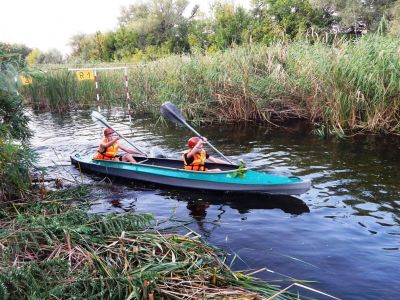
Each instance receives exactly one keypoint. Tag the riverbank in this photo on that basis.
(342, 87)
(52, 248)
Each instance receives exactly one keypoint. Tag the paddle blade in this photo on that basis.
(169, 111)
(99, 119)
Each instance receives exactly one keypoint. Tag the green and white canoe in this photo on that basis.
(170, 172)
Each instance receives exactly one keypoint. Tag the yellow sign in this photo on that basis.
(25, 79)
(85, 75)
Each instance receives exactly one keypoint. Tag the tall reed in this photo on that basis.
(346, 86)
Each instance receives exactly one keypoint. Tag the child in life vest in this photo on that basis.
(108, 149)
(195, 157)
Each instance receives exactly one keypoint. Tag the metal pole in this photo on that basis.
(128, 97)
(97, 90)
(94, 69)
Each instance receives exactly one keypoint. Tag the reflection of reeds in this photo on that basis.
(52, 249)
(345, 85)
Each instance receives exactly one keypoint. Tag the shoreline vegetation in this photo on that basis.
(51, 248)
(342, 87)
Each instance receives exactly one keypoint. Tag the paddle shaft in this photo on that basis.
(199, 135)
(121, 135)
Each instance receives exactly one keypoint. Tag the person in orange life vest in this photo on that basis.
(195, 157)
(109, 146)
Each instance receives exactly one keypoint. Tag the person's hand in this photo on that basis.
(200, 143)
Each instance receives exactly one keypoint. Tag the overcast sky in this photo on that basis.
(47, 24)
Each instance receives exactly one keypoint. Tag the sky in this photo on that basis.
(49, 24)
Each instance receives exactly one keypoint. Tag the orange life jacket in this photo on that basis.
(109, 153)
(199, 160)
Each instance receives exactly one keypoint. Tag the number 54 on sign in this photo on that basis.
(85, 75)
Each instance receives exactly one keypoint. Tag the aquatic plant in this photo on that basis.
(51, 248)
(348, 86)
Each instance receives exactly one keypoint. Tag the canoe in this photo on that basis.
(170, 172)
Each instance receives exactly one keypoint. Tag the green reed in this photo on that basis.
(51, 248)
(344, 86)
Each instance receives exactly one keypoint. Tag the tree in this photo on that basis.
(156, 23)
(15, 157)
(291, 16)
(357, 13)
(108, 46)
(230, 25)
(85, 47)
(52, 56)
(14, 52)
(33, 57)
(157, 26)
(199, 32)
(127, 42)
(133, 13)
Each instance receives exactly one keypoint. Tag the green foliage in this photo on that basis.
(33, 57)
(199, 32)
(15, 157)
(51, 248)
(292, 17)
(59, 90)
(241, 171)
(15, 163)
(230, 25)
(147, 31)
(352, 13)
(85, 48)
(13, 120)
(157, 28)
(52, 56)
(14, 53)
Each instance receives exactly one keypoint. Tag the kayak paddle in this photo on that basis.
(171, 112)
(99, 119)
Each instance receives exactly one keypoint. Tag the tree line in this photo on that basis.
(157, 28)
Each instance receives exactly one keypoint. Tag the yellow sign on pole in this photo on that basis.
(25, 79)
(85, 75)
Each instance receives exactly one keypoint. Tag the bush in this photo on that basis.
(15, 163)
(15, 156)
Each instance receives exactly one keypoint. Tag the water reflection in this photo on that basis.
(199, 203)
(243, 203)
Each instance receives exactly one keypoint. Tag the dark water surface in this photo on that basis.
(343, 234)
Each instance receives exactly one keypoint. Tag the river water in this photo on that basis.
(343, 236)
